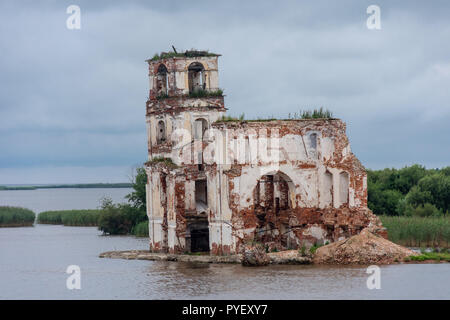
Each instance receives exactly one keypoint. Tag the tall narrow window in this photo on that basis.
(328, 189)
(197, 77)
(343, 187)
(162, 81)
(201, 195)
(161, 132)
(313, 140)
(200, 126)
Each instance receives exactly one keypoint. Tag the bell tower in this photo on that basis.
(184, 96)
(184, 101)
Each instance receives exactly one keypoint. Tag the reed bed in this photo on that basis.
(16, 217)
(418, 231)
(70, 217)
(141, 229)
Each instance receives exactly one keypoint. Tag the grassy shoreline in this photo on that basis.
(82, 218)
(16, 217)
(141, 229)
(430, 232)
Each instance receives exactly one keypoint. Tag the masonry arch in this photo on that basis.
(327, 192)
(200, 126)
(162, 80)
(343, 187)
(274, 199)
(196, 77)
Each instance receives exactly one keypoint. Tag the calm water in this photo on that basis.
(33, 262)
(61, 199)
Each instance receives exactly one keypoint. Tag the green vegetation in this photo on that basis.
(308, 114)
(188, 53)
(317, 114)
(436, 256)
(418, 231)
(70, 217)
(231, 118)
(167, 161)
(201, 93)
(410, 191)
(138, 196)
(119, 218)
(16, 217)
(162, 96)
(206, 93)
(302, 251)
(313, 249)
(64, 186)
(141, 229)
(124, 218)
(17, 188)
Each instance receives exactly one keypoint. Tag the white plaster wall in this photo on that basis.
(213, 80)
(325, 188)
(171, 200)
(326, 148)
(179, 80)
(214, 234)
(171, 234)
(189, 195)
(157, 230)
(343, 187)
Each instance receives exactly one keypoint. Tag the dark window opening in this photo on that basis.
(313, 140)
(201, 193)
(161, 132)
(197, 77)
(199, 236)
(162, 81)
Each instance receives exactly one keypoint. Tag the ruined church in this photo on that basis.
(216, 183)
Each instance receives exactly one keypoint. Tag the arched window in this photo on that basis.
(343, 187)
(197, 77)
(161, 132)
(162, 81)
(200, 126)
(327, 193)
(313, 140)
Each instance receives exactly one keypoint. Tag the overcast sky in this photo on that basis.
(72, 102)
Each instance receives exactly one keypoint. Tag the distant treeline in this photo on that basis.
(62, 186)
(410, 191)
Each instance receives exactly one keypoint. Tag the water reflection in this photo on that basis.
(33, 263)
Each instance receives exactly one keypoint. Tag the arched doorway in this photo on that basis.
(274, 197)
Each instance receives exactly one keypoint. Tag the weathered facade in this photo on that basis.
(215, 184)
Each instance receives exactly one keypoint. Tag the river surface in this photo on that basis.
(34, 260)
(61, 199)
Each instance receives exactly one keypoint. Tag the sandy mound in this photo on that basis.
(364, 248)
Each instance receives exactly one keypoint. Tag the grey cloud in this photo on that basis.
(77, 97)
